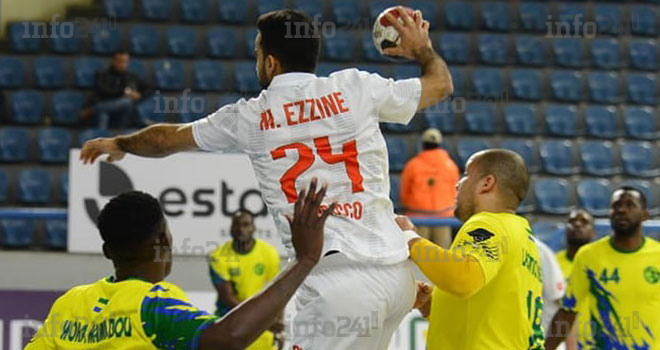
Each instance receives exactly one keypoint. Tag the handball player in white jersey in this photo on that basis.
(303, 126)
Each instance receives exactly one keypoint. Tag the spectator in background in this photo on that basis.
(116, 91)
(241, 268)
(428, 186)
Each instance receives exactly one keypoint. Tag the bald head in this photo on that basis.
(509, 170)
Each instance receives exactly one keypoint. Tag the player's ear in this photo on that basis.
(487, 184)
(106, 251)
(272, 65)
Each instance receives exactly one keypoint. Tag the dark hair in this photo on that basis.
(429, 145)
(130, 219)
(642, 196)
(243, 212)
(296, 48)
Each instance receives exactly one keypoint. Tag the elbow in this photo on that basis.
(464, 286)
(447, 86)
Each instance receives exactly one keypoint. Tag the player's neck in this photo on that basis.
(628, 243)
(143, 271)
(571, 250)
(241, 247)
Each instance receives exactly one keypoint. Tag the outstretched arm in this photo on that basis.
(560, 328)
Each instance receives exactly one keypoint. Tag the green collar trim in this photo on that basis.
(627, 251)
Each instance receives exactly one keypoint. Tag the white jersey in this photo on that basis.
(553, 283)
(303, 126)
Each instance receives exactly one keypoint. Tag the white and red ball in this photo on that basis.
(384, 33)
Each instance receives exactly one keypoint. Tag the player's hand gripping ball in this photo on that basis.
(384, 33)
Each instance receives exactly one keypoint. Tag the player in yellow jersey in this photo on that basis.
(488, 287)
(616, 279)
(136, 309)
(241, 268)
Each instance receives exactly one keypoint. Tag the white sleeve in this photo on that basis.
(396, 100)
(553, 279)
(219, 131)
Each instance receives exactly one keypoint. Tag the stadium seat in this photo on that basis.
(64, 186)
(208, 75)
(568, 14)
(598, 158)
(346, 12)
(429, 10)
(561, 120)
(249, 35)
(369, 51)
(642, 88)
(4, 186)
(63, 38)
(405, 71)
(640, 159)
(34, 186)
(527, 206)
(594, 196)
(566, 85)
(458, 78)
(311, 8)
(138, 68)
(553, 196)
(378, 6)
(105, 41)
(53, 145)
(153, 109)
(568, 52)
(84, 71)
(325, 69)
(467, 147)
(120, 9)
(27, 106)
(245, 77)
(221, 42)
(264, 6)
(644, 20)
(533, 16)
(340, 47)
(643, 54)
(233, 11)
(25, 37)
(557, 157)
(520, 119)
(169, 74)
(195, 11)
(601, 121)
(90, 134)
(493, 48)
(526, 84)
(530, 50)
(641, 123)
(48, 72)
(645, 187)
(56, 234)
(17, 233)
(609, 19)
(496, 16)
(156, 10)
(397, 150)
(605, 53)
(14, 144)
(181, 41)
(455, 47)
(488, 82)
(551, 233)
(395, 191)
(442, 117)
(193, 107)
(12, 72)
(526, 149)
(458, 15)
(144, 40)
(603, 87)
(480, 117)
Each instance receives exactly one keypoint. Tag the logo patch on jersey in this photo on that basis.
(652, 274)
(259, 269)
(481, 245)
(481, 235)
(234, 271)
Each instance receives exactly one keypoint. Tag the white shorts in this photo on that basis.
(345, 304)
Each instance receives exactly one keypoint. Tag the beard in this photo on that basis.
(463, 210)
(262, 76)
(626, 230)
(577, 242)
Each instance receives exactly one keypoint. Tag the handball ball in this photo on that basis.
(384, 34)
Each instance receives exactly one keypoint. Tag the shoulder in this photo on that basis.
(266, 247)
(597, 247)
(165, 290)
(489, 221)
(652, 243)
(354, 75)
(220, 249)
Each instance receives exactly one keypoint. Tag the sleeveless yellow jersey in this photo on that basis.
(620, 292)
(506, 313)
(565, 264)
(129, 315)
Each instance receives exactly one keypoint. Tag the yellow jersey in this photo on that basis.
(130, 315)
(620, 293)
(506, 313)
(565, 264)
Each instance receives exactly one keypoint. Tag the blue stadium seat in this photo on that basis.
(4, 186)
(346, 12)
(643, 54)
(480, 117)
(12, 72)
(488, 82)
(458, 15)
(598, 158)
(90, 134)
(232, 11)
(120, 9)
(169, 74)
(340, 47)
(530, 50)
(493, 48)
(34, 186)
(527, 206)
(642, 88)
(53, 145)
(639, 159)
(568, 52)
(594, 196)
(64, 186)
(429, 10)
(458, 78)
(605, 53)
(455, 47)
(442, 117)
(208, 75)
(105, 41)
(156, 10)
(369, 51)
(25, 37)
(609, 19)
(245, 77)
(325, 69)
(249, 36)
(153, 109)
(467, 147)
(526, 149)
(566, 85)
(397, 150)
(311, 8)
(84, 70)
(56, 234)
(63, 38)
(557, 157)
(181, 41)
(405, 71)
(568, 14)
(601, 121)
(561, 120)
(395, 191)
(520, 119)
(264, 6)
(603, 87)
(553, 196)
(195, 11)
(647, 188)
(641, 123)
(221, 42)
(144, 40)
(27, 106)
(48, 72)
(193, 107)
(533, 16)
(17, 233)
(138, 68)
(644, 20)
(551, 233)
(378, 6)
(399, 128)
(496, 16)
(14, 144)
(526, 84)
